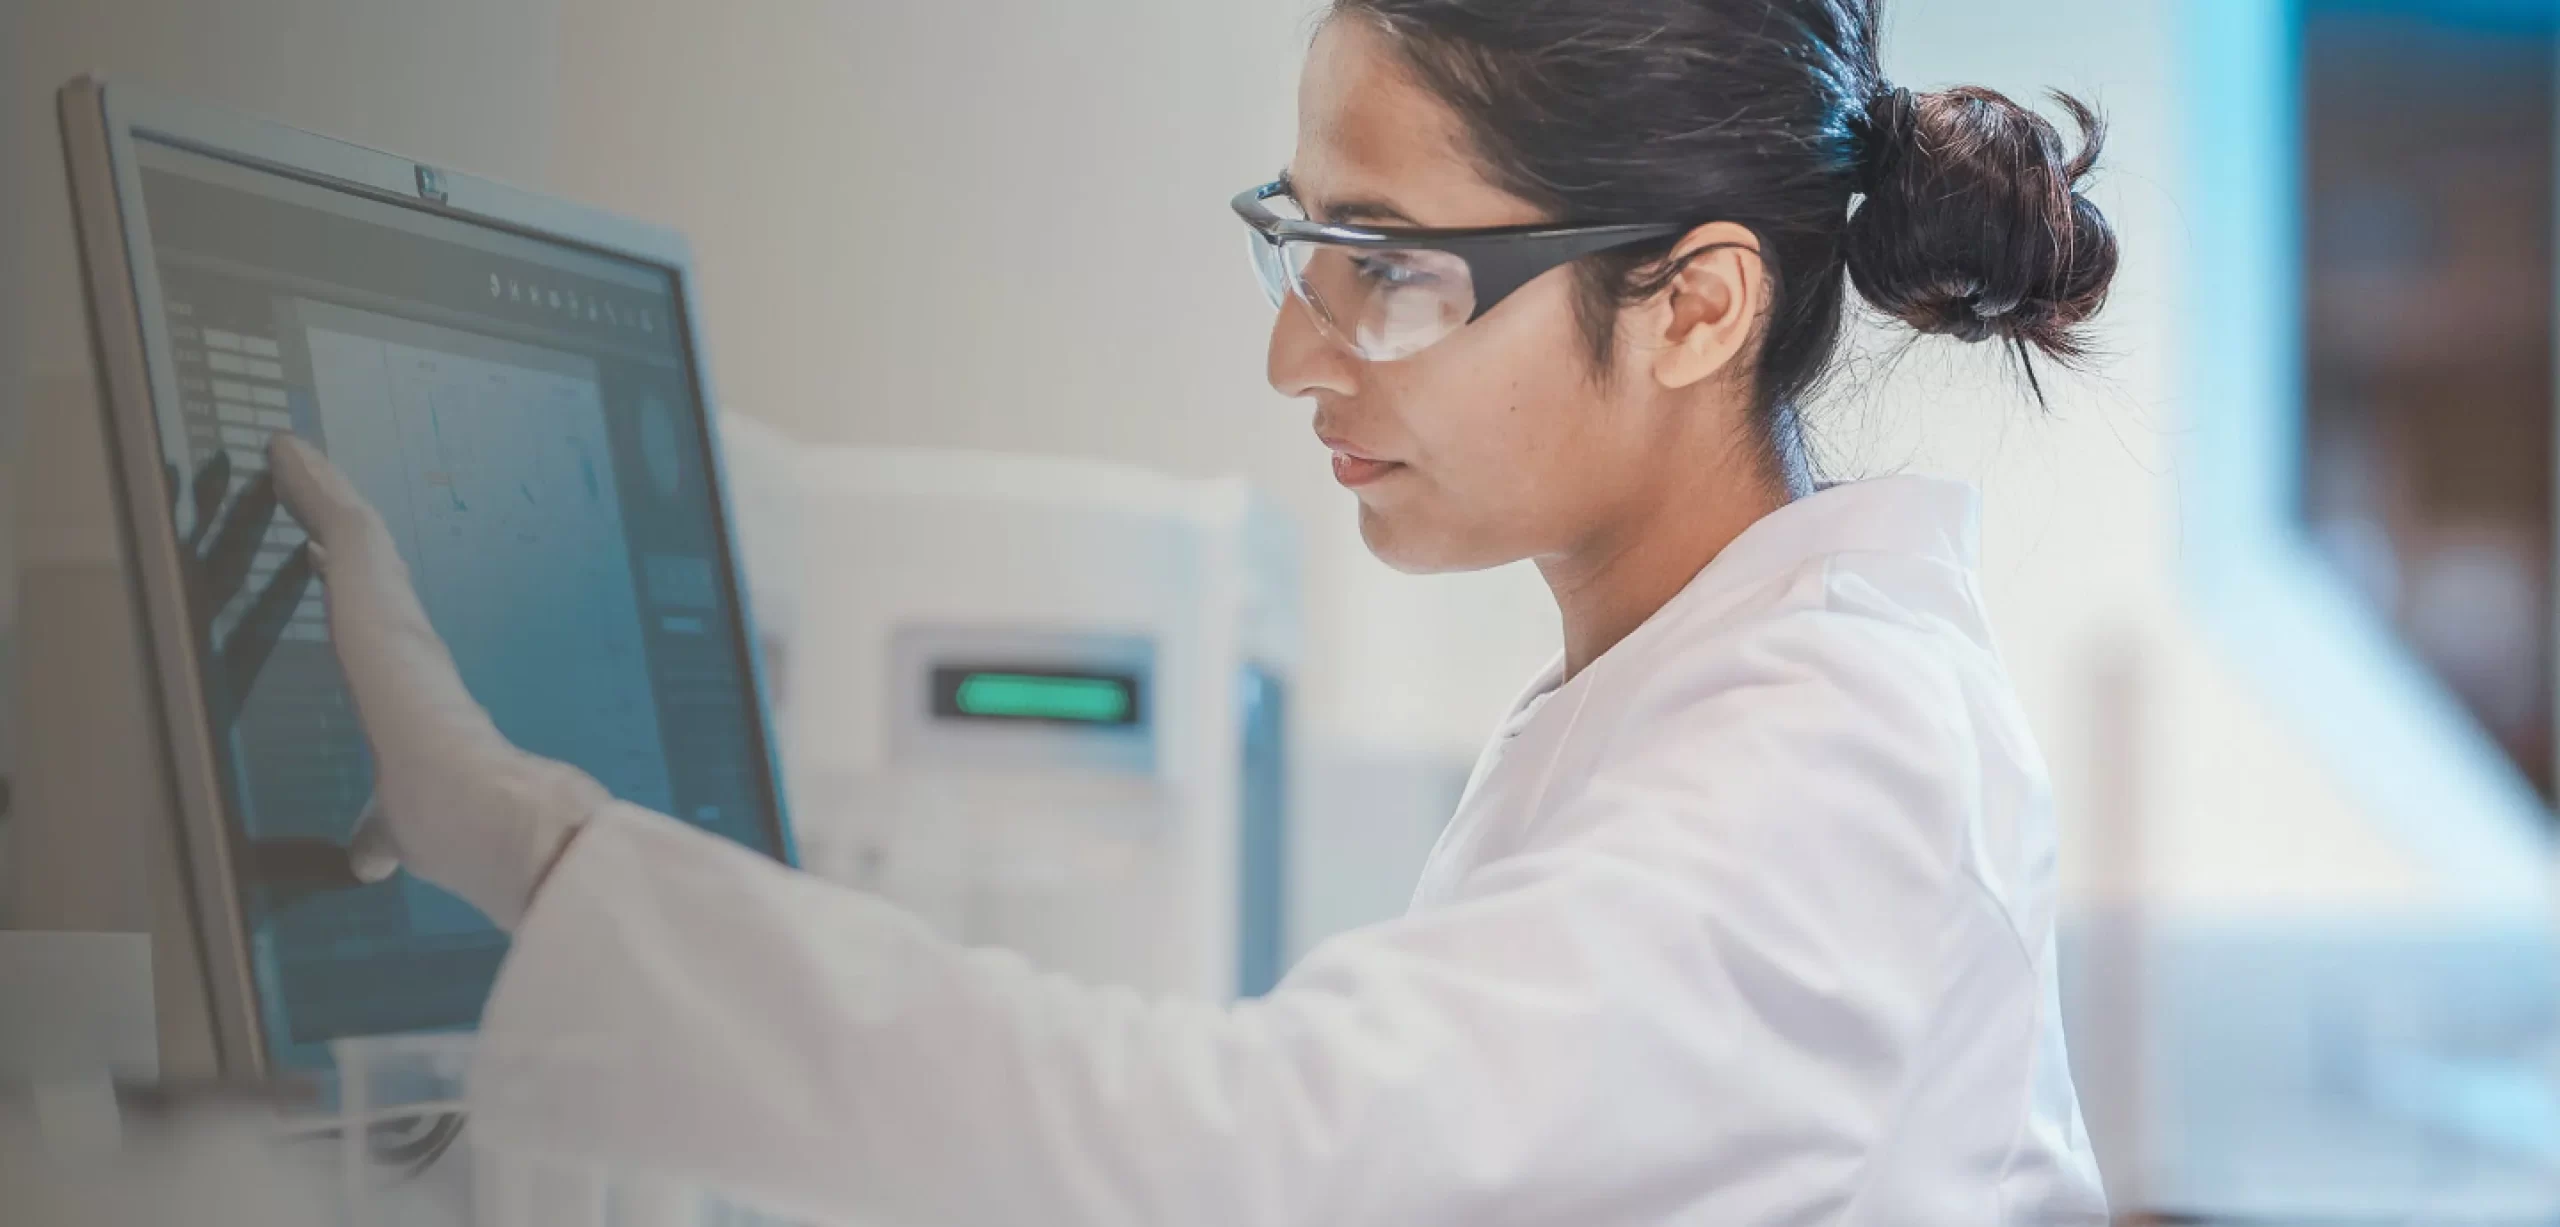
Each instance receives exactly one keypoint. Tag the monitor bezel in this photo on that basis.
(100, 124)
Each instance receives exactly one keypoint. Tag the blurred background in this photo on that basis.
(2274, 580)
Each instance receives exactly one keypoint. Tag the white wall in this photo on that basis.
(1002, 224)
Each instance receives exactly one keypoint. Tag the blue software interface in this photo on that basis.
(524, 415)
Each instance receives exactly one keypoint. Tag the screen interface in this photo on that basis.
(524, 415)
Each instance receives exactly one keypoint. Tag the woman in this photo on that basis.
(1746, 916)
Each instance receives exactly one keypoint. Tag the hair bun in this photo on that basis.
(1973, 226)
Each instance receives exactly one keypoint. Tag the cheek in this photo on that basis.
(1513, 406)
(1505, 453)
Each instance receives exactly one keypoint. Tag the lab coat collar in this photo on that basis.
(1533, 696)
(1926, 517)
(1932, 518)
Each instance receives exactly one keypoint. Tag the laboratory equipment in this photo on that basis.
(1044, 702)
(513, 381)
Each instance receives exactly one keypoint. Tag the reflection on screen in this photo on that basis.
(523, 416)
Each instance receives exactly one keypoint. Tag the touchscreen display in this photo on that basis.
(524, 415)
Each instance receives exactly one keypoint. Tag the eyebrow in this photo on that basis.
(1349, 211)
(1368, 211)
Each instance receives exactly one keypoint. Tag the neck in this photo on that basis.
(1610, 584)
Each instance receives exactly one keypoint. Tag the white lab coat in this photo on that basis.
(1751, 922)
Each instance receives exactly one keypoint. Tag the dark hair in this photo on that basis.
(1774, 114)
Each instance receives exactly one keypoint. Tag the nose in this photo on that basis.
(1303, 361)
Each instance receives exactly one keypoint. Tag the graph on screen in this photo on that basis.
(492, 463)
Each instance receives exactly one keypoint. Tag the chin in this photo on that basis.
(1405, 548)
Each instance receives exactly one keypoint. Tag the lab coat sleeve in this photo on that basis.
(1689, 999)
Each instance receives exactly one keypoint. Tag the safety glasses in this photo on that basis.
(1390, 293)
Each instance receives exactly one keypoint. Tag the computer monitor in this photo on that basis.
(514, 383)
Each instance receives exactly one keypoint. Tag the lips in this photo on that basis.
(1354, 468)
(1357, 471)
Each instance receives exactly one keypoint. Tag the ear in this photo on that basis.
(1705, 318)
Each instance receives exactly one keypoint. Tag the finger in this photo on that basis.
(235, 545)
(254, 638)
(399, 671)
(371, 854)
(317, 492)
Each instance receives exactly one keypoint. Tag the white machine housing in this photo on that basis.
(1150, 852)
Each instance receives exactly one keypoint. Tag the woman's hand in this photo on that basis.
(453, 800)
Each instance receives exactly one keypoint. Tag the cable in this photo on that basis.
(413, 1154)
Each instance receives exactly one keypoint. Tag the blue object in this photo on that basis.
(1262, 836)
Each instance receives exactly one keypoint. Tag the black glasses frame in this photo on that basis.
(1500, 259)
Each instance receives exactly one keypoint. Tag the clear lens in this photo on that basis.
(1382, 303)
(1269, 266)
(1270, 270)
(1385, 303)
